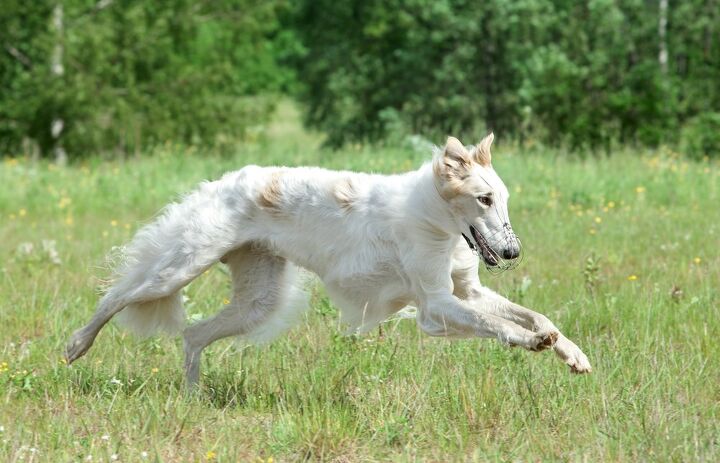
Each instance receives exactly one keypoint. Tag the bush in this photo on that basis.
(700, 137)
(135, 73)
(583, 74)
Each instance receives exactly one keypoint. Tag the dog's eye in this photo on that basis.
(485, 200)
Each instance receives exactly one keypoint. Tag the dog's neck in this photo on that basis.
(427, 207)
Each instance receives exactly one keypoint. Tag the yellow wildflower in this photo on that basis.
(210, 455)
(611, 204)
(598, 219)
(113, 223)
(154, 370)
(632, 277)
(592, 231)
(697, 260)
(22, 212)
(639, 189)
(226, 301)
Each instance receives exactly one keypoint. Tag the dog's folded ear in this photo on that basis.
(456, 158)
(482, 150)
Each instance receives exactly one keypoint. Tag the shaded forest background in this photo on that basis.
(82, 77)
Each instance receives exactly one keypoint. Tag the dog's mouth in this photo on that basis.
(482, 247)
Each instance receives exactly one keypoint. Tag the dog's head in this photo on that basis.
(478, 200)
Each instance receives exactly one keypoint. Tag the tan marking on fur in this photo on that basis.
(456, 156)
(345, 194)
(482, 151)
(451, 168)
(271, 196)
(449, 184)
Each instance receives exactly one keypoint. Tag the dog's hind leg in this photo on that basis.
(82, 339)
(112, 303)
(156, 286)
(260, 288)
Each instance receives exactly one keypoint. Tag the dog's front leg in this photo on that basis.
(448, 316)
(489, 301)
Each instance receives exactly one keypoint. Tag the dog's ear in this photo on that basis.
(482, 150)
(456, 159)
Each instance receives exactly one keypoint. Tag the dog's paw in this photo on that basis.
(78, 345)
(572, 356)
(542, 341)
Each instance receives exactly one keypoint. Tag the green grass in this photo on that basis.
(606, 241)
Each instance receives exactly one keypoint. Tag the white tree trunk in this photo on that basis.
(57, 70)
(662, 36)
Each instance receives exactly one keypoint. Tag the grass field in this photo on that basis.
(621, 253)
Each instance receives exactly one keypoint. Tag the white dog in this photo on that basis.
(377, 242)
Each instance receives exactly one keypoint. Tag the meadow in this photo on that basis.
(621, 252)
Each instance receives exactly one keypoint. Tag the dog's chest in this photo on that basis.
(382, 284)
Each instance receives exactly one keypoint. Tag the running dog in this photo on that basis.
(378, 243)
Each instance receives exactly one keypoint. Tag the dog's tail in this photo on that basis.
(145, 319)
(166, 253)
(135, 264)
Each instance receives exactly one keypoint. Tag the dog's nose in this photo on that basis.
(511, 253)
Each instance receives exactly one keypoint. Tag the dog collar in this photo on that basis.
(469, 242)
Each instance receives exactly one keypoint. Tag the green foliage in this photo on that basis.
(136, 73)
(585, 74)
(701, 136)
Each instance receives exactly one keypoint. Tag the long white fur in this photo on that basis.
(378, 243)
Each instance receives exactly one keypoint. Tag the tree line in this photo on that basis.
(118, 76)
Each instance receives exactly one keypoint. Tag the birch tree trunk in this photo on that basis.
(662, 36)
(57, 70)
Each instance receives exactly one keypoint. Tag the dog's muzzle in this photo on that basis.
(492, 259)
(480, 245)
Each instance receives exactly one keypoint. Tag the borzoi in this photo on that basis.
(378, 243)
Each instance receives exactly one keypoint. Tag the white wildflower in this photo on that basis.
(26, 248)
(51, 252)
